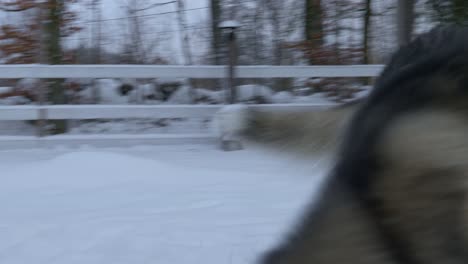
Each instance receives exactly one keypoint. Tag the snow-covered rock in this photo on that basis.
(148, 89)
(229, 24)
(251, 91)
(180, 96)
(15, 100)
(28, 84)
(109, 92)
(283, 97)
(208, 96)
(363, 93)
(317, 98)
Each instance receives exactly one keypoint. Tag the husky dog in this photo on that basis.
(398, 190)
(294, 130)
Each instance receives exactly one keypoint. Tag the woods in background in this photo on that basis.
(271, 32)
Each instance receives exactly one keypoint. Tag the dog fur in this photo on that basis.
(397, 193)
(307, 132)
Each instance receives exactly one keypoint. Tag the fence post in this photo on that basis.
(42, 112)
(230, 27)
(96, 93)
(230, 142)
(232, 65)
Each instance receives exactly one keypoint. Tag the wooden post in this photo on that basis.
(96, 93)
(43, 85)
(230, 142)
(230, 27)
(232, 96)
(42, 113)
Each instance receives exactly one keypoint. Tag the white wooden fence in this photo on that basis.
(172, 71)
(82, 112)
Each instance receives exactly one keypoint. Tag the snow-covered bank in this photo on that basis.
(184, 204)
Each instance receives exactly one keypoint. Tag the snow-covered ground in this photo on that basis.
(177, 204)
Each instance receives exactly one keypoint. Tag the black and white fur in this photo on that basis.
(398, 191)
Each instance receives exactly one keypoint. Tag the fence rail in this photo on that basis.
(83, 112)
(175, 71)
(78, 112)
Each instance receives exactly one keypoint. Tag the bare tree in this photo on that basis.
(216, 32)
(384, 37)
(313, 29)
(95, 6)
(184, 32)
(274, 7)
(258, 28)
(54, 50)
(185, 42)
(448, 11)
(140, 44)
(135, 32)
(366, 35)
(405, 18)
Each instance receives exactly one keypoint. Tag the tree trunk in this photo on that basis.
(337, 29)
(365, 39)
(96, 27)
(96, 42)
(232, 64)
(53, 31)
(42, 58)
(216, 31)
(276, 31)
(185, 41)
(54, 55)
(405, 17)
(313, 25)
(257, 29)
(139, 49)
(275, 6)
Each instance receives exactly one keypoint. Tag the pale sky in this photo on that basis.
(163, 26)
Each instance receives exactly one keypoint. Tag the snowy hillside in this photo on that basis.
(190, 204)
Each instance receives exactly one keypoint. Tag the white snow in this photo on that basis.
(147, 89)
(14, 100)
(317, 98)
(250, 91)
(283, 97)
(108, 92)
(229, 24)
(6, 89)
(365, 92)
(185, 204)
(217, 97)
(29, 84)
(180, 96)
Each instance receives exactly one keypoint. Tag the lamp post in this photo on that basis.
(230, 27)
